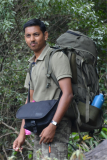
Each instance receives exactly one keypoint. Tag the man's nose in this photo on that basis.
(32, 38)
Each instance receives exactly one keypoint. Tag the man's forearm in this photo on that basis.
(22, 130)
(62, 106)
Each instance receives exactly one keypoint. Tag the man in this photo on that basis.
(36, 37)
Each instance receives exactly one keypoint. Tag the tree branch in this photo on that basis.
(102, 76)
(5, 152)
(16, 133)
(1, 157)
(6, 134)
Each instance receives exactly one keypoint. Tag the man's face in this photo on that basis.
(35, 38)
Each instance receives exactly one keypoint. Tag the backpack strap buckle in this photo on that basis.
(48, 75)
(48, 85)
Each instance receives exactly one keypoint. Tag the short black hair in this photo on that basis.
(35, 22)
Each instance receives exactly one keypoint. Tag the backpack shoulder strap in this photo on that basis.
(50, 74)
(29, 70)
(31, 64)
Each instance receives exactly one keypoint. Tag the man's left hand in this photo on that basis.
(47, 134)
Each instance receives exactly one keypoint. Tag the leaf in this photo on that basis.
(63, 1)
(29, 156)
(103, 135)
(14, 153)
(104, 129)
(86, 137)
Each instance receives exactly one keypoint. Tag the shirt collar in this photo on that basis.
(42, 55)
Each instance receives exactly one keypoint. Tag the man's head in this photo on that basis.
(35, 22)
(35, 35)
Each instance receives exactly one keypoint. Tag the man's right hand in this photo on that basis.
(17, 144)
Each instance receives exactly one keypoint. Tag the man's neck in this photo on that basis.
(37, 54)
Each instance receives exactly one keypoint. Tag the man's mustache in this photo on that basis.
(33, 43)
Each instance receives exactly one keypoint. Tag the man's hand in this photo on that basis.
(17, 144)
(47, 134)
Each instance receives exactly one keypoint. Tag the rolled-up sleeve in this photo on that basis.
(61, 66)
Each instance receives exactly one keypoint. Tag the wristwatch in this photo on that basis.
(54, 123)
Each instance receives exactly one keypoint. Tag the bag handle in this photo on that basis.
(30, 69)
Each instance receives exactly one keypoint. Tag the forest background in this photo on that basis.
(89, 17)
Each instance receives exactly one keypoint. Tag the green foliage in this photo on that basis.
(7, 15)
(30, 154)
(77, 154)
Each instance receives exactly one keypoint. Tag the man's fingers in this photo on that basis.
(45, 140)
(42, 138)
(48, 141)
(51, 140)
(17, 147)
(41, 134)
(14, 147)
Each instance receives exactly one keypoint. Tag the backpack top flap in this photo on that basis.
(78, 41)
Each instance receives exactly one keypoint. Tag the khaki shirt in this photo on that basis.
(61, 69)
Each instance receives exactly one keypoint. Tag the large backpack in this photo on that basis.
(82, 54)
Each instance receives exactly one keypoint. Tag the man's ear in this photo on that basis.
(24, 35)
(46, 35)
(25, 39)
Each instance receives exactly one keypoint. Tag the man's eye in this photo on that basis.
(28, 35)
(36, 34)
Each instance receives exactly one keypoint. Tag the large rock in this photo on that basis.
(98, 153)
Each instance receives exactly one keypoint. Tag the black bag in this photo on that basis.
(37, 115)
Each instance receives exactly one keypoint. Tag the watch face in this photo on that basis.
(53, 122)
